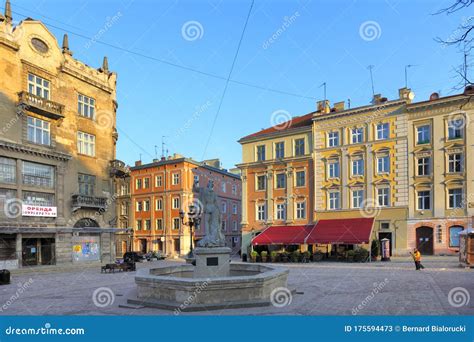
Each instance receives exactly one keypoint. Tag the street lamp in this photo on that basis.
(194, 219)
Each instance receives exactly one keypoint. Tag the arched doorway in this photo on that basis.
(86, 223)
(424, 240)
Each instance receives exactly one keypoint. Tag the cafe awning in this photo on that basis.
(283, 235)
(341, 231)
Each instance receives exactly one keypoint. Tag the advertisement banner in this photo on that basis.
(37, 210)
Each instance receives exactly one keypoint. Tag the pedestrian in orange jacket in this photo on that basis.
(417, 258)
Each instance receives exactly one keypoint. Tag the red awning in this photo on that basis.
(283, 235)
(341, 231)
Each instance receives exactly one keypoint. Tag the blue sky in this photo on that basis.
(313, 42)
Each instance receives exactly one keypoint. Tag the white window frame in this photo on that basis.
(175, 179)
(383, 131)
(421, 195)
(279, 153)
(261, 211)
(383, 193)
(334, 200)
(40, 131)
(280, 211)
(382, 162)
(333, 169)
(425, 166)
(39, 86)
(158, 204)
(357, 135)
(333, 139)
(158, 181)
(456, 162)
(86, 144)
(453, 128)
(86, 106)
(234, 209)
(300, 209)
(357, 198)
(146, 205)
(420, 130)
(357, 167)
(460, 196)
(176, 203)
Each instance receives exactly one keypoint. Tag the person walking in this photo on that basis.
(417, 258)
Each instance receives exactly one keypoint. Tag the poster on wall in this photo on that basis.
(86, 248)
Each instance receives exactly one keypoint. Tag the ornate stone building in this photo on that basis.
(57, 141)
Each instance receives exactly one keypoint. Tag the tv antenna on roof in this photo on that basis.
(163, 146)
(324, 85)
(370, 67)
(406, 73)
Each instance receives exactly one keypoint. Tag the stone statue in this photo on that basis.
(214, 236)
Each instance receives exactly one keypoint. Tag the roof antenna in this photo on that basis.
(163, 146)
(406, 73)
(324, 85)
(156, 152)
(349, 103)
(370, 67)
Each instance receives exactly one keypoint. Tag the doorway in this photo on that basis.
(143, 245)
(37, 251)
(424, 240)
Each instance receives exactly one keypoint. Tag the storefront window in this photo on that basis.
(7, 170)
(38, 175)
(38, 198)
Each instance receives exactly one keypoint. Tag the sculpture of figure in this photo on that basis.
(214, 236)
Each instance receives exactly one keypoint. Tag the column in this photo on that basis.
(290, 201)
(369, 171)
(269, 195)
(344, 177)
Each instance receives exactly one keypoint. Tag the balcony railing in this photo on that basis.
(83, 201)
(41, 105)
(118, 169)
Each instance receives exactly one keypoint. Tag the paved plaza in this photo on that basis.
(326, 288)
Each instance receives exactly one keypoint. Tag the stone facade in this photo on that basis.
(57, 141)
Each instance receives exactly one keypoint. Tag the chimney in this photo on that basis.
(66, 45)
(8, 12)
(376, 98)
(469, 90)
(323, 107)
(434, 97)
(339, 106)
(105, 66)
(406, 94)
(138, 163)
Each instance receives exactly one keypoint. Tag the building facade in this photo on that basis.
(56, 143)
(277, 178)
(404, 164)
(158, 192)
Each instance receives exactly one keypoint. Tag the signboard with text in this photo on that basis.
(36, 210)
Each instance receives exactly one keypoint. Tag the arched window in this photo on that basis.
(454, 235)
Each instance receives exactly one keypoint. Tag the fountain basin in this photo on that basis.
(175, 288)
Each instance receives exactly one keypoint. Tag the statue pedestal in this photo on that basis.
(212, 262)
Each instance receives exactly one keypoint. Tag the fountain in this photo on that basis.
(211, 281)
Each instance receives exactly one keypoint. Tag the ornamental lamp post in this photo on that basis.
(194, 219)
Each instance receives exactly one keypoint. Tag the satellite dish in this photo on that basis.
(411, 95)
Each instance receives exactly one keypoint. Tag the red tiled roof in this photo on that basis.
(297, 121)
(342, 231)
(283, 235)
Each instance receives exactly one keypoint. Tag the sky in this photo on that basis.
(173, 60)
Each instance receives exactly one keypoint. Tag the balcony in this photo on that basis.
(88, 202)
(41, 105)
(119, 169)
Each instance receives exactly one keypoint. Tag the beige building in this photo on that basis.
(57, 141)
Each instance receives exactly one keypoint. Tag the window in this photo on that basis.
(280, 211)
(38, 198)
(383, 197)
(196, 181)
(86, 144)
(299, 147)
(234, 189)
(300, 210)
(357, 135)
(158, 204)
(261, 212)
(147, 224)
(333, 169)
(224, 207)
(224, 225)
(234, 209)
(176, 203)
(139, 224)
(424, 166)
(124, 209)
(357, 198)
(124, 189)
(455, 128)
(300, 178)
(261, 183)
(383, 164)
(38, 86)
(138, 206)
(175, 179)
(86, 106)
(86, 184)
(261, 153)
(146, 183)
(158, 181)
(138, 183)
(424, 200)
(383, 131)
(423, 134)
(280, 180)
(384, 225)
(38, 175)
(455, 163)
(176, 223)
(334, 202)
(358, 167)
(7, 170)
(159, 224)
(455, 198)
(38, 131)
(454, 235)
(234, 226)
(223, 187)
(333, 139)
(280, 150)
(146, 205)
